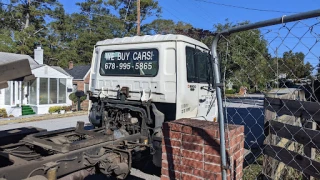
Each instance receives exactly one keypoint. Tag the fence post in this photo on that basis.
(218, 86)
(308, 151)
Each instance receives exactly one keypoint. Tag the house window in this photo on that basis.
(75, 87)
(13, 92)
(7, 94)
(53, 91)
(19, 91)
(43, 91)
(62, 90)
(33, 92)
(86, 88)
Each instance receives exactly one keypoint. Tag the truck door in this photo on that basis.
(187, 82)
(207, 108)
(191, 107)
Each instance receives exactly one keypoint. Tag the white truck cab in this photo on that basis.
(137, 83)
(173, 71)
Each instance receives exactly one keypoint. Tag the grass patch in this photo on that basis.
(253, 170)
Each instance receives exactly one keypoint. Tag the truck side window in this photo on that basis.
(192, 75)
(203, 67)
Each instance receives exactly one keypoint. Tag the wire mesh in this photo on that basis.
(271, 81)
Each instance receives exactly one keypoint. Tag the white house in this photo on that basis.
(51, 87)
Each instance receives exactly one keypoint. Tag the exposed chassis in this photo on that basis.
(111, 157)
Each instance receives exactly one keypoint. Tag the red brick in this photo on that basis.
(171, 143)
(240, 130)
(235, 140)
(211, 141)
(192, 163)
(211, 131)
(192, 139)
(172, 126)
(239, 138)
(171, 174)
(163, 177)
(212, 167)
(212, 150)
(192, 147)
(230, 173)
(239, 169)
(165, 164)
(171, 150)
(241, 145)
(235, 148)
(183, 168)
(237, 155)
(239, 161)
(231, 142)
(172, 159)
(189, 177)
(192, 155)
(204, 174)
(239, 176)
(218, 176)
(186, 129)
(212, 159)
(234, 131)
(172, 135)
(230, 134)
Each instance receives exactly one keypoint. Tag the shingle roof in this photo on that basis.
(58, 68)
(79, 71)
(4, 56)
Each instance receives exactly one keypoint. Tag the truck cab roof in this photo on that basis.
(151, 39)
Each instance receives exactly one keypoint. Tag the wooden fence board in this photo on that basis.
(294, 160)
(296, 108)
(306, 136)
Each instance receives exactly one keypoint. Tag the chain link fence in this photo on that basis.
(271, 85)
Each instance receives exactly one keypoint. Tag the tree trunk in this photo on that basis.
(28, 15)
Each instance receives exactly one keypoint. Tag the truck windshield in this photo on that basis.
(138, 62)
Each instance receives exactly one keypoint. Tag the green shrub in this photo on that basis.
(74, 98)
(54, 109)
(3, 113)
(230, 91)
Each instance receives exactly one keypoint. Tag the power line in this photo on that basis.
(172, 14)
(207, 19)
(246, 8)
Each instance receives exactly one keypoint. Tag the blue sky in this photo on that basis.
(202, 14)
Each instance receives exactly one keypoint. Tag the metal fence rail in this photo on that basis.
(271, 84)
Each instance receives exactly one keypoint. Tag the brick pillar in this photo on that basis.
(191, 150)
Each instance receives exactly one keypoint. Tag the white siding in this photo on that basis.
(49, 72)
(1, 98)
(41, 72)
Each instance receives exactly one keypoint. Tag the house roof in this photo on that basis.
(60, 70)
(7, 57)
(79, 71)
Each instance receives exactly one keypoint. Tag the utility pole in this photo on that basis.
(138, 17)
